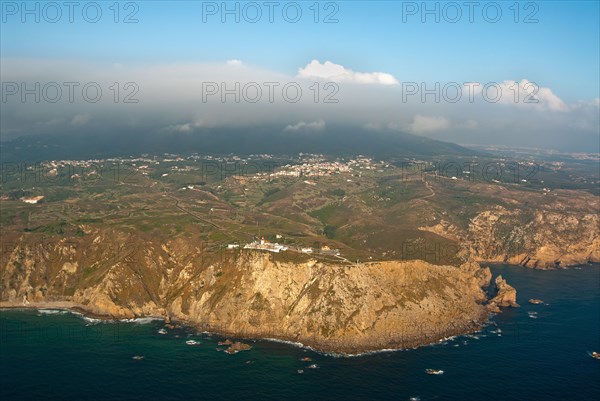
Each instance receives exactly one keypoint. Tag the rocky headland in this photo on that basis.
(330, 307)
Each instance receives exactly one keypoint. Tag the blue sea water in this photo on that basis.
(535, 356)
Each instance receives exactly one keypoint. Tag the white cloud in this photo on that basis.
(338, 73)
(171, 100)
(525, 94)
(234, 62)
(469, 124)
(423, 124)
(591, 104)
(80, 119)
(318, 125)
(185, 127)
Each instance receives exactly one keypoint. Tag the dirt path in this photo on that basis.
(432, 194)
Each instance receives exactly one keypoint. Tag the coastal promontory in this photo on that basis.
(330, 306)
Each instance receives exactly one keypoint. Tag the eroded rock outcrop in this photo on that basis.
(506, 295)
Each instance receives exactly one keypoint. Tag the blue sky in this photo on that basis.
(372, 50)
(560, 51)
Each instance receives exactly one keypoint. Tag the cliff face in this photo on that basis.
(373, 306)
(329, 306)
(535, 229)
(549, 239)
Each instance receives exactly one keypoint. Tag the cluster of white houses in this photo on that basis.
(265, 245)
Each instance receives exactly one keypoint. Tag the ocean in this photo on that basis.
(535, 352)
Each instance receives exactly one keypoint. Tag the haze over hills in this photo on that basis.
(338, 141)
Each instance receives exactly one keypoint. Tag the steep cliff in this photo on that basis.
(332, 307)
(549, 238)
(558, 234)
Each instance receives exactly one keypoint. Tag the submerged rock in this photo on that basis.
(237, 347)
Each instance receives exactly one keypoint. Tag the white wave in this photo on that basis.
(52, 311)
(295, 344)
(442, 341)
(472, 336)
(360, 354)
(141, 320)
(93, 321)
(332, 354)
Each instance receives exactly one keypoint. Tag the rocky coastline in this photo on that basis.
(345, 309)
(330, 346)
